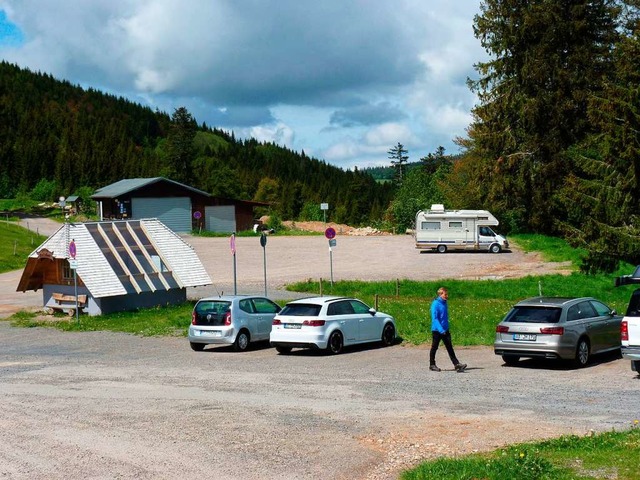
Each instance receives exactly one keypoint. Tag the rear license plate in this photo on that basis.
(292, 325)
(525, 337)
(210, 333)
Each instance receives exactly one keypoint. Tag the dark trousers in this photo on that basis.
(446, 339)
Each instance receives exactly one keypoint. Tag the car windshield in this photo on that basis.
(533, 314)
(301, 310)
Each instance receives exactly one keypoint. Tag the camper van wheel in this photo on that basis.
(495, 248)
(442, 248)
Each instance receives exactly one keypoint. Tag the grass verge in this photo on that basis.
(606, 455)
(16, 243)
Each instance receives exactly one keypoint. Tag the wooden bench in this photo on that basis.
(67, 303)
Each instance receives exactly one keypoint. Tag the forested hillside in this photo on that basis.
(67, 137)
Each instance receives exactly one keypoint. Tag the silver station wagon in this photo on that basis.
(557, 328)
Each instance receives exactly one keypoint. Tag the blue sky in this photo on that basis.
(343, 80)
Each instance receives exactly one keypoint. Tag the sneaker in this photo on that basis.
(433, 368)
(460, 367)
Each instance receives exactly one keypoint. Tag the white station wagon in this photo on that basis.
(330, 323)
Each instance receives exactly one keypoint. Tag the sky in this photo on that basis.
(342, 80)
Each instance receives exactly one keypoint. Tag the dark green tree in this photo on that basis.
(547, 59)
(398, 156)
(180, 148)
(602, 196)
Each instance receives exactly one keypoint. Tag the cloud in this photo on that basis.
(365, 72)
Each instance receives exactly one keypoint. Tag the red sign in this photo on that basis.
(330, 233)
(72, 249)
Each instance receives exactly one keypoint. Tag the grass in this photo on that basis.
(16, 243)
(160, 321)
(606, 455)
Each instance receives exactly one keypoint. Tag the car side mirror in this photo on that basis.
(372, 311)
(613, 312)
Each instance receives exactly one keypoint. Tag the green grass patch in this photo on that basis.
(606, 455)
(160, 321)
(16, 243)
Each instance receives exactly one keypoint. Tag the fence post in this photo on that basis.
(320, 286)
(376, 302)
(397, 288)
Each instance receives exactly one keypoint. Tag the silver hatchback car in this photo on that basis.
(231, 320)
(560, 328)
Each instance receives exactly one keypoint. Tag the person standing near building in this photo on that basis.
(440, 332)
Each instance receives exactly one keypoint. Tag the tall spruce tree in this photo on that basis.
(547, 59)
(603, 197)
(181, 151)
(398, 156)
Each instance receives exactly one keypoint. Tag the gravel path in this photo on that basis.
(105, 405)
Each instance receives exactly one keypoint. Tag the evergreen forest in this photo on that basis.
(553, 146)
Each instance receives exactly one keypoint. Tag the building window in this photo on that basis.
(455, 224)
(67, 273)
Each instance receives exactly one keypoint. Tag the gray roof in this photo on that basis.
(128, 185)
(128, 256)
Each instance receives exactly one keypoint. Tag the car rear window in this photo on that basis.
(217, 307)
(634, 305)
(301, 310)
(534, 314)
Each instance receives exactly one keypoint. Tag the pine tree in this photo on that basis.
(548, 58)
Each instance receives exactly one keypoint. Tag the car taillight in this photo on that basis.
(193, 318)
(552, 330)
(313, 323)
(276, 322)
(502, 329)
(624, 331)
(227, 318)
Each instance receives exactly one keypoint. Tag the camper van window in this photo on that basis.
(486, 231)
(455, 224)
(483, 218)
(430, 225)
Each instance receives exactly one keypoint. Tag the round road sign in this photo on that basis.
(330, 233)
(72, 249)
(197, 215)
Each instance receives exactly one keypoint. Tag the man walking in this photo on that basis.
(440, 331)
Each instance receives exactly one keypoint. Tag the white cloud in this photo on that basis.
(340, 79)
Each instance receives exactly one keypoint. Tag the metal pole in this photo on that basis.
(75, 285)
(331, 264)
(264, 256)
(235, 284)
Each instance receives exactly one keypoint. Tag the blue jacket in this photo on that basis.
(439, 315)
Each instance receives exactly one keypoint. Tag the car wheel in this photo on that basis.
(198, 347)
(242, 341)
(442, 248)
(283, 350)
(388, 335)
(335, 343)
(582, 353)
(495, 248)
(510, 359)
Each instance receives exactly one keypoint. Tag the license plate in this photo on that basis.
(210, 333)
(525, 337)
(292, 325)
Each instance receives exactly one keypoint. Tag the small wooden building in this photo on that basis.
(180, 207)
(119, 265)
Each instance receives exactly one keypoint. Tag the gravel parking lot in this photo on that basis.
(106, 405)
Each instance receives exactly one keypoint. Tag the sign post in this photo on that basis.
(330, 233)
(73, 265)
(324, 207)
(263, 243)
(232, 244)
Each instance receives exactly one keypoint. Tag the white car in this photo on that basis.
(330, 323)
(231, 320)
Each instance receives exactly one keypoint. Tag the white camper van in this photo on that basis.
(442, 230)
